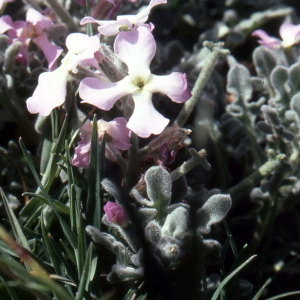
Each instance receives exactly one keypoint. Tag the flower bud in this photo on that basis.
(116, 214)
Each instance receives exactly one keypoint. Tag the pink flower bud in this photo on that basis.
(116, 214)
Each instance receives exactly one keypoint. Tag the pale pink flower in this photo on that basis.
(116, 214)
(117, 139)
(51, 89)
(123, 22)
(31, 30)
(136, 49)
(289, 33)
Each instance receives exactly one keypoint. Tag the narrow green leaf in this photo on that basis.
(31, 166)
(73, 210)
(11, 291)
(34, 217)
(70, 235)
(60, 207)
(50, 250)
(93, 201)
(284, 295)
(231, 241)
(84, 280)
(52, 170)
(69, 252)
(4, 248)
(66, 228)
(18, 233)
(93, 267)
(9, 266)
(99, 194)
(225, 280)
(261, 290)
(39, 283)
(81, 250)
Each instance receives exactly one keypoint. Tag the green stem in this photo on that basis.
(63, 15)
(133, 162)
(198, 158)
(266, 169)
(34, 4)
(204, 75)
(269, 233)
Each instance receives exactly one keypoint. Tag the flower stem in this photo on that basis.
(63, 15)
(216, 52)
(198, 158)
(266, 169)
(133, 162)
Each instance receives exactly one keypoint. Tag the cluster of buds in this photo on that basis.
(167, 228)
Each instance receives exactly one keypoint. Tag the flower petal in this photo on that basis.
(82, 151)
(290, 34)
(173, 85)
(104, 94)
(118, 131)
(266, 40)
(145, 119)
(6, 23)
(108, 27)
(142, 16)
(81, 48)
(39, 21)
(50, 51)
(136, 48)
(50, 92)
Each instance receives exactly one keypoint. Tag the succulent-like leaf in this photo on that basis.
(159, 184)
(294, 77)
(153, 232)
(239, 84)
(295, 103)
(109, 241)
(121, 273)
(213, 211)
(264, 60)
(176, 224)
(146, 214)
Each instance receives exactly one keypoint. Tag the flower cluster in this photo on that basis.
(33, 29)
(134, 46)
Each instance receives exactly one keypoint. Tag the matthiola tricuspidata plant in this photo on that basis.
(159, 164)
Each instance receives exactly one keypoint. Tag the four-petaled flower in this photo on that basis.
(116, 214)
(136, 49)
(123, 22)
(33, 29)
(289, 33)
(51, 90)
(117, 138)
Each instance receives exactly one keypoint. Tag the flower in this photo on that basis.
(117, 139)
(136, 49)
(289, 33)
(33, 29)
(51, 90)
(123, 22)
(116, 214)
